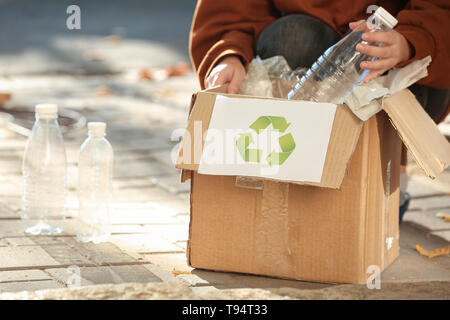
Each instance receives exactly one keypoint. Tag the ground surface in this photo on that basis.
(96, 71)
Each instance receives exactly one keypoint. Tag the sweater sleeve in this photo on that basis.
(226, 27)
(425, 24)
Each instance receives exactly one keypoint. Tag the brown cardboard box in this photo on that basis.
(330, 231)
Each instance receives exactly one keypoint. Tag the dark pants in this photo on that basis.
(301, 39)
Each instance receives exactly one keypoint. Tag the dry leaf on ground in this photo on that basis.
(178, 272)
(145, 74)
(178, 69)
(103, 91)
(434, 253)
(443, 216)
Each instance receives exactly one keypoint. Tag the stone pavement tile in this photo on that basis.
(169, 261)
(20, 241)
(101, 254)
(5, 213)
(65, 255)
(106, 275)
(410, 237)
(25, 257)
(411, 266)
(3, 243)
(172, 184)
(10, 166)
(16, 228)
(427, 220)
(29, 286)
(9, 189)
(144, 243)
(173, 232)
(12, 203)
(418, 187)
(133, 169)
(143, 213)
(430, 203)
(444, 234)
(23, 275)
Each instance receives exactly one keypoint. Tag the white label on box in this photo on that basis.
(276, 139)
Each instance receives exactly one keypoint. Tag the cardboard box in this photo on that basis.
(328, 231)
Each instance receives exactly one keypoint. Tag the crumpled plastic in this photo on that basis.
(273, 77)
(364, 100)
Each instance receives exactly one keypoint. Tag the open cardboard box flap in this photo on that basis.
(417, 130)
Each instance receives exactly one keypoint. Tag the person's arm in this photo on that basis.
(224, 32)
(422, 30)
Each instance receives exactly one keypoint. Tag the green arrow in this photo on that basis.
(278, 123)
(287, 145)
(249, 155)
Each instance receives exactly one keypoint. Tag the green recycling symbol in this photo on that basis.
(287, 143)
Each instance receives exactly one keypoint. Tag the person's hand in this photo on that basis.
(229, 70)
(394, 49)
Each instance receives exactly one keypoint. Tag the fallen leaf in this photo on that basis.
(434, 253)
(4, 96)
(178, 69)
(178, 272)
(443, 216)
(113, 39)
(144, 74)
(103, 91)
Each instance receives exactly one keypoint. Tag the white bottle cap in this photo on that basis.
(386, 18)
(46, 110)
(97, 128)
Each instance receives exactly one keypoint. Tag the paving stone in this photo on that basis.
(105, 275)
(16, 228)
(430, 203)
(172, 184)
(444, 234)
(150, 168)
(9, 189)
(171, 232)
(418, 187)
(21, 257)
(169, 262)
(427, 219)
(100, 254)
(29, 286)
(3, 243)
(5, 213)
(20, 241)
(144, 243)
(10, 166)
(145, 213)
(23, 275)
(65, 255)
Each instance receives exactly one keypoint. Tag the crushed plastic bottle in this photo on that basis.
(44, 171)
(95, 167)
(334, 74)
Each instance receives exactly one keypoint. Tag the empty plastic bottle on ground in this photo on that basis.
(333, 75)
(44, 173)
(95, 167)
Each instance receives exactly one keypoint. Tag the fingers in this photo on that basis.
(379, 37)
(374, 51)
(378, 64)
(218, 77)
(372, 75)
(355, 24)
(236, 80)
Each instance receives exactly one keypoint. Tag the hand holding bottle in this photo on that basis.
(394, 49)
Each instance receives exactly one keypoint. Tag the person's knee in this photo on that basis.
(301, 39)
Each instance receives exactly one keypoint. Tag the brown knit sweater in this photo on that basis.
(225, 27)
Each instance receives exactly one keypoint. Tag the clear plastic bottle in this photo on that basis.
(95, 168)
(333, 75)
(44, 173)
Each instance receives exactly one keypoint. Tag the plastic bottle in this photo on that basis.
(333, 75)
(44, 173)
(95, 167)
